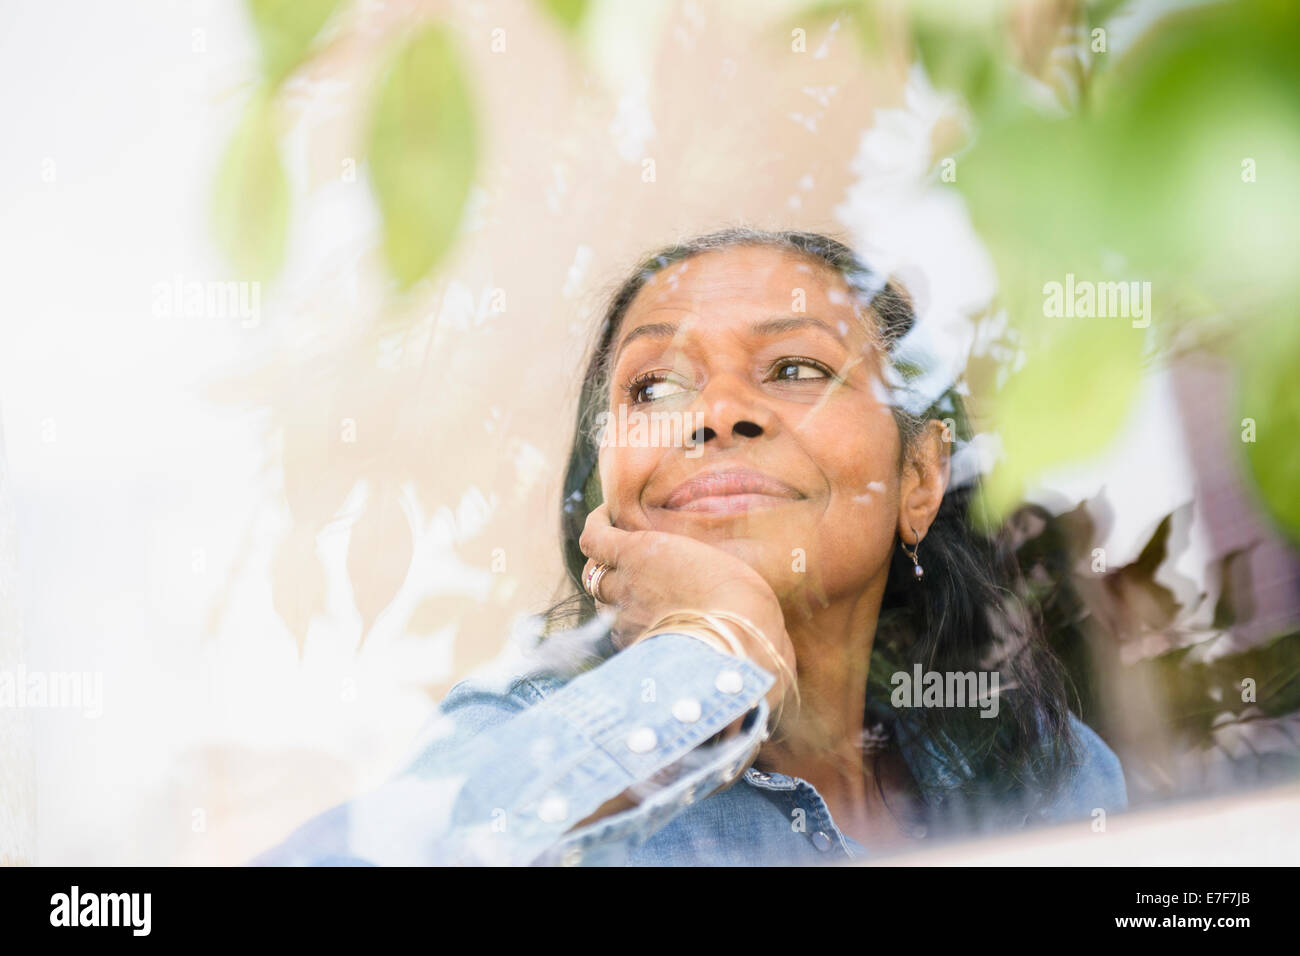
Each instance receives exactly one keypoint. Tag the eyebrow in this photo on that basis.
(780, 324)
(776, 325)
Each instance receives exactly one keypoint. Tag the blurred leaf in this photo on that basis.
(1268, 395)
(1066, 405)
(422, 153)
(250, 207)
(1219, 81)
(1036, 195)
(1153, 553)
(1106, 196)
(955, 58)
(285, 29)
(297, 583)
(863, 17)
(1199, 692)
(1068, 193)
(379, 553)
(1097, 12)
(569, 13)
(1134, 587)
(1236, 603)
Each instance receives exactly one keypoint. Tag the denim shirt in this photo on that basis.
(507, 766)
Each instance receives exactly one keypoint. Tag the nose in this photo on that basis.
(732, 410)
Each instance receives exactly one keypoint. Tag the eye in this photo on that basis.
(651, 387)
(799, 370)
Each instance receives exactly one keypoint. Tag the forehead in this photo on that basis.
(745, 280)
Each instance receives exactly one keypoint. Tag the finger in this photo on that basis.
(605, 586)
(600, 540)
(596, 520)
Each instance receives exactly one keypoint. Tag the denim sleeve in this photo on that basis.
(1095, 782)
(502, 776)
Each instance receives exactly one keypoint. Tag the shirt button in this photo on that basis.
(572, 857)
(730, 682)
(553, 809)
(687, 710)
(642, 740)
(821, 841)
(759, 776)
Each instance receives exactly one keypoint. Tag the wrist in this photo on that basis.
(742, 638)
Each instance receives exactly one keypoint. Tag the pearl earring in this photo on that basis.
(912, 554)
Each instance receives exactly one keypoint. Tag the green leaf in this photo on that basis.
(285, 29)
(569, 13)
(422, 153)
(250, 207)
(1037, 193)
(1268, 396)
(1156, 175)
(1219, 81)
(1097, 12)
(1182, 174)
(1065, 405)
(958, 59)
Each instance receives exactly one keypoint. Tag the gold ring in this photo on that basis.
(591, 581)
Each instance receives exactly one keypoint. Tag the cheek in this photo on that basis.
(858, 458)
(863, 483)
(855, 446)
(624, 473)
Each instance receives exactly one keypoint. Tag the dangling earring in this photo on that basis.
(912, 553)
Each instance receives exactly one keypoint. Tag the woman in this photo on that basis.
(786, 643)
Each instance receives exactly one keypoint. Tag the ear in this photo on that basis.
(924, 481)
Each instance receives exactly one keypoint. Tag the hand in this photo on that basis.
(653, 573)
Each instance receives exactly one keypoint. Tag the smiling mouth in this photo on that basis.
(729, 493)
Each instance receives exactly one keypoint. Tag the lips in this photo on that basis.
(729, 492)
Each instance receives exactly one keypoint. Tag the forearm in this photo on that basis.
(606, 759)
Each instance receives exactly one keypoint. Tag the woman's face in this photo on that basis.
(759, 353)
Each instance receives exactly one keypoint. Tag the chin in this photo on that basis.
(771, 559)
(764, 540)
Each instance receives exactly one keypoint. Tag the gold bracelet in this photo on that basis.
(693, 625)
(713, 623)
(683, 622)
(762, 638)
(698, 624)
(717, 617)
